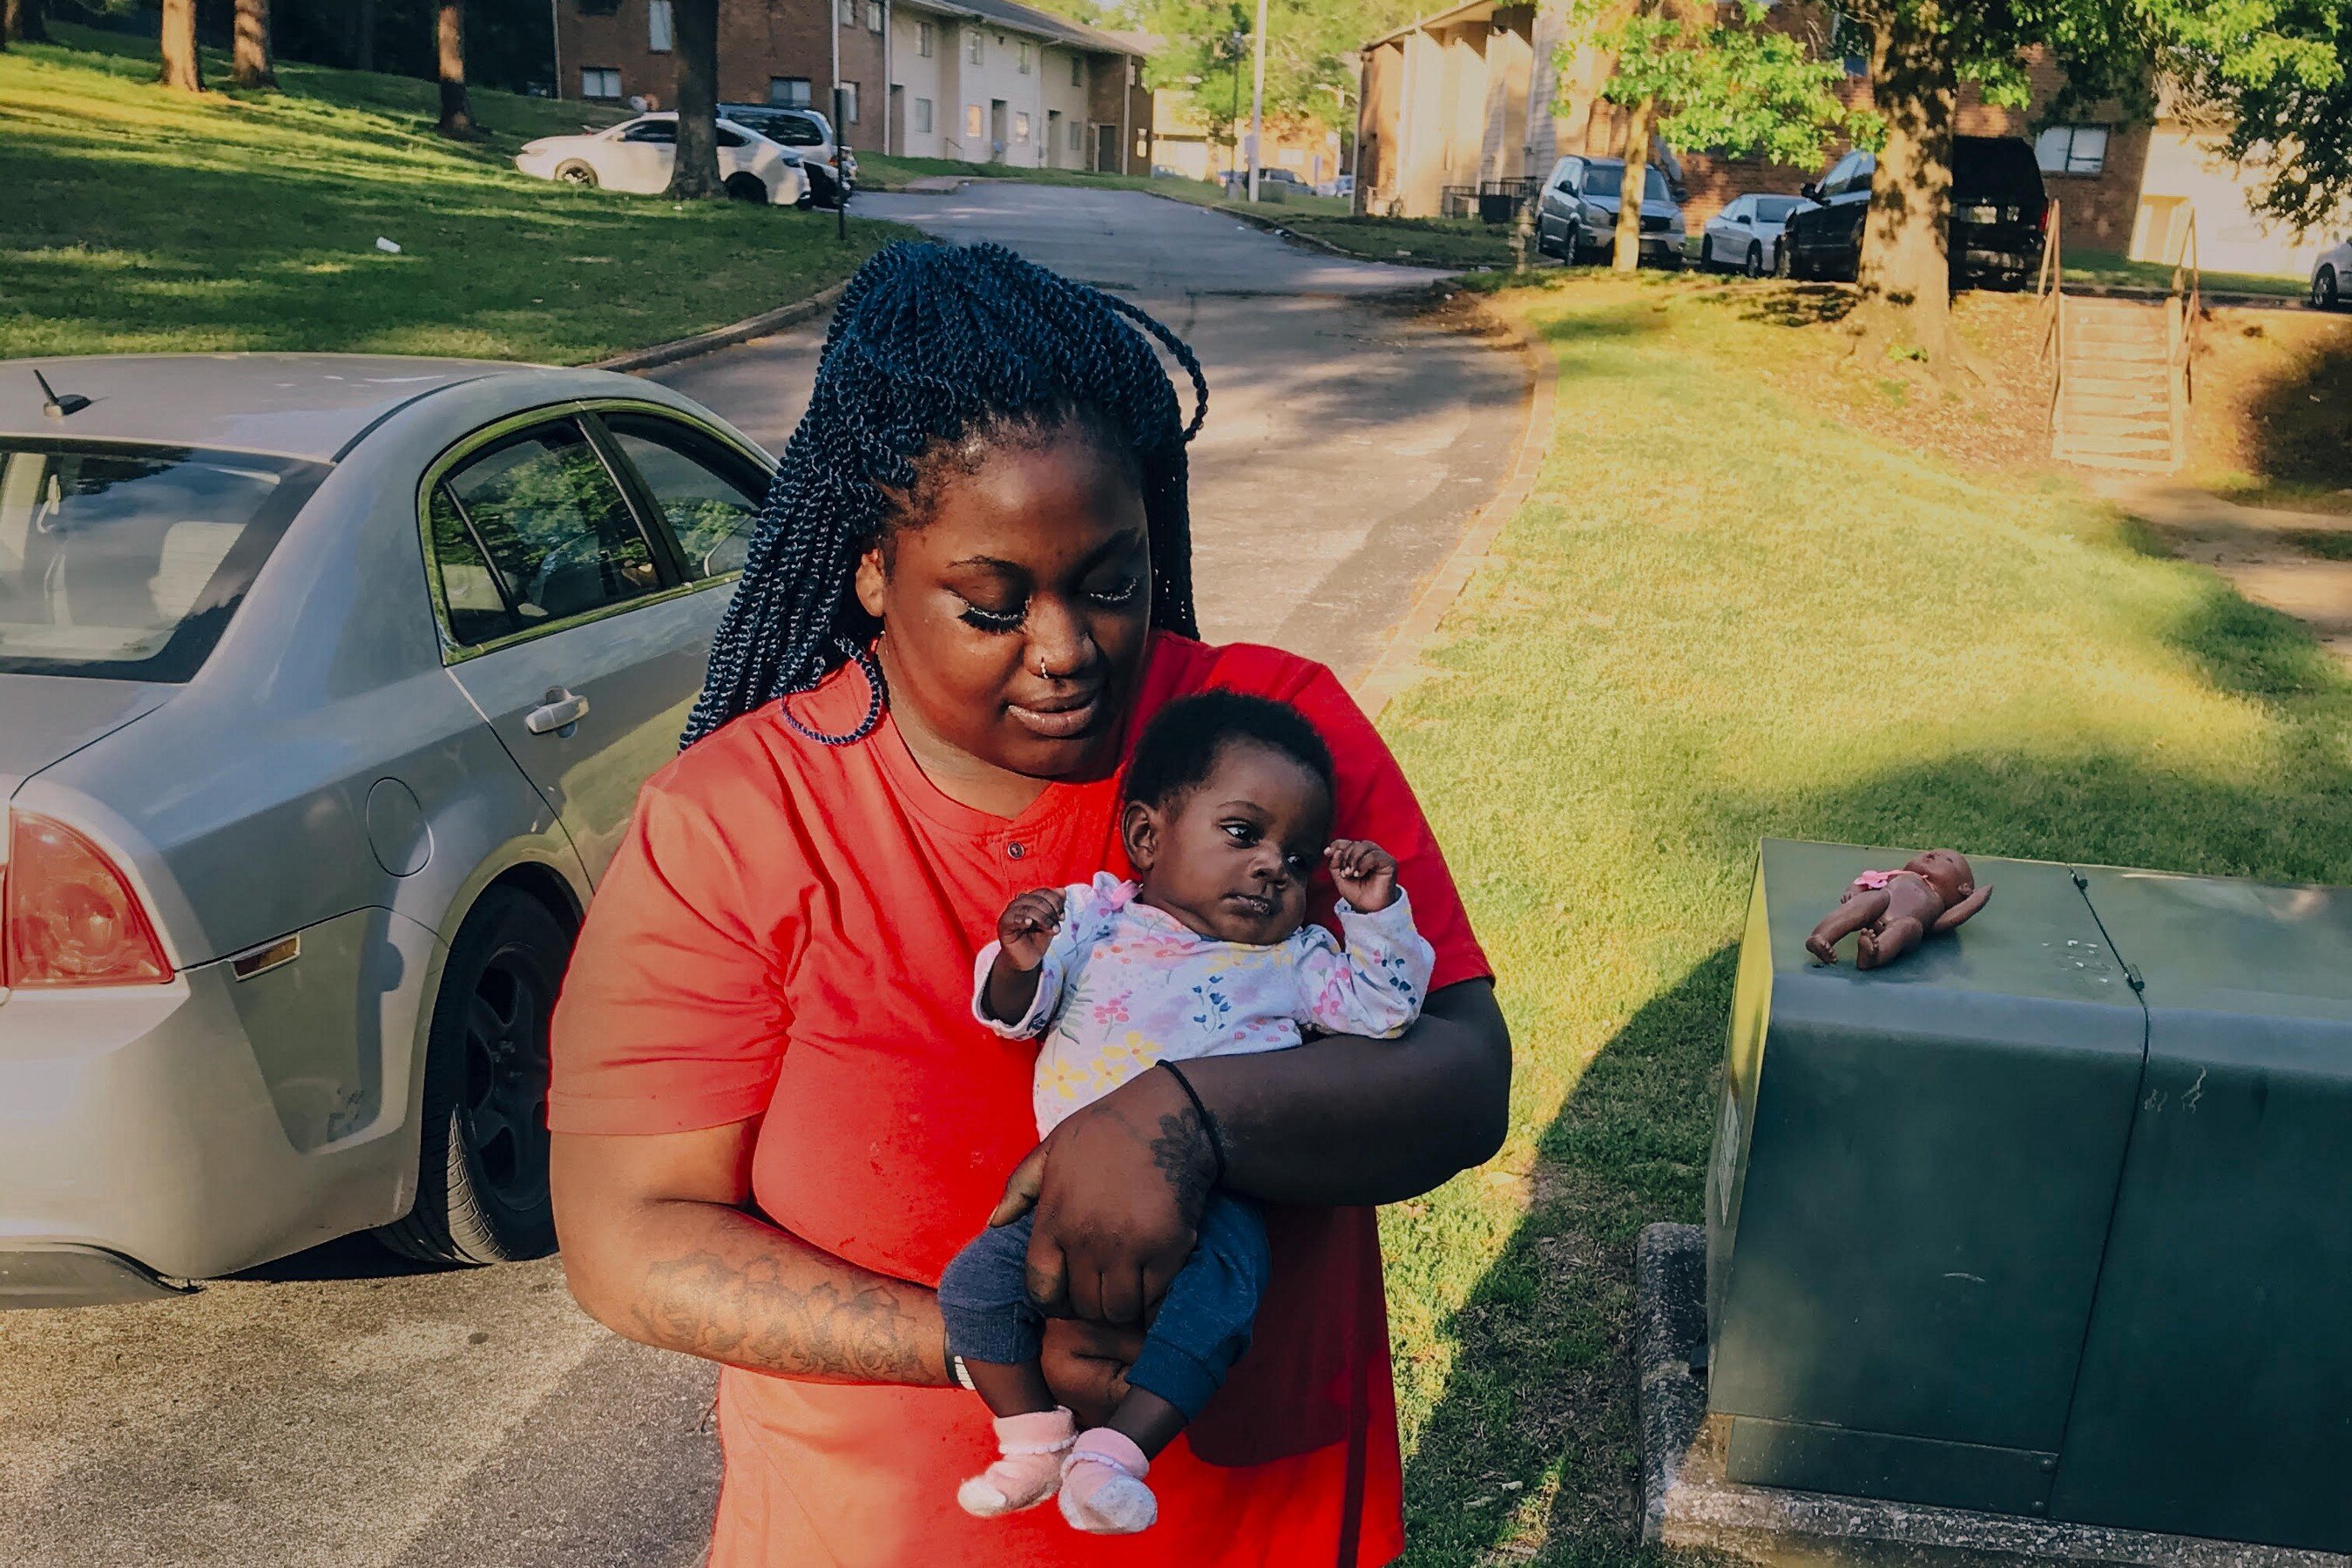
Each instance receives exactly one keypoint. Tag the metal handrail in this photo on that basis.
(2183, 307)
(2050, 284)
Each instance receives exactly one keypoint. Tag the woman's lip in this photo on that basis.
(1064, 721)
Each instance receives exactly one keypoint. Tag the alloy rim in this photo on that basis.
(504, 1113)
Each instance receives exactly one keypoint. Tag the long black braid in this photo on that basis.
(931, 344)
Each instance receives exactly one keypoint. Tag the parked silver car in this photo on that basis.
(327, 684)
(1744, 237)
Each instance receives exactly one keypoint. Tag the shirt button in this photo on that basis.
(1016, 850)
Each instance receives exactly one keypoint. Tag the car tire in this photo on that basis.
(1572, 246)
(746, 188)
(1707, 254)
(2323, 295)
(481, 1188)
(1784, 261)
(576, 171)
(1755, 268)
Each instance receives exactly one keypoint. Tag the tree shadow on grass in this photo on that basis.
(1541, 1389)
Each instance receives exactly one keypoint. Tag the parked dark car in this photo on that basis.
(1999, 215)
(1576, 219)
(832, 169)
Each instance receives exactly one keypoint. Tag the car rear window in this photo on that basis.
(2001, 167)
(126, 563)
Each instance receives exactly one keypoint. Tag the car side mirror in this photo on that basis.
(1809, 191)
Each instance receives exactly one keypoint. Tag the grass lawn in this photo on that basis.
(1697, 633)
(144, 220)
(2110, 269)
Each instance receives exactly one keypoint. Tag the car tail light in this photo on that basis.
(67, 914)
(2042, 224)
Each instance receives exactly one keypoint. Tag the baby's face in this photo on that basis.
(1232, 859)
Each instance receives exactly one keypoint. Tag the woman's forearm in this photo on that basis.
(1347, 1121)
(696, 1273)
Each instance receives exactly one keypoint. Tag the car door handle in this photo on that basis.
(557, 714)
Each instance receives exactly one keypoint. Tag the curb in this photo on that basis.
(1399, 665)
(744, 331)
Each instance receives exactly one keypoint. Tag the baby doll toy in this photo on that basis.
(1228, 805)
(1895, 910)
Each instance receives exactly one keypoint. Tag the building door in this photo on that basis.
(999, 130)
(1106, 149)
(1053, 138)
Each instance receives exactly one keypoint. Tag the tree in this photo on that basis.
(363, 19)
(449, 55)
(695, 39)
(182, 70)
(25, 22)
(2287, 116)
(250, 64)
(1310, 75)
(1734, 87)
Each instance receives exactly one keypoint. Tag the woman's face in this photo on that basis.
(1015, 614)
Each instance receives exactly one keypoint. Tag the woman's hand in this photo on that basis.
(1118, 1188)
(1086, 1365)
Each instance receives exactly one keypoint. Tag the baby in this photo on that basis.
(1228, 811)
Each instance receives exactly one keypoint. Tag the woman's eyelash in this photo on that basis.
(994, 620)
(1126, 590)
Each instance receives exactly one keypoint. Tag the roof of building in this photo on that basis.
(1018, 18)
(1472, 11)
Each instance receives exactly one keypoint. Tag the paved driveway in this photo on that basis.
(334, 1409)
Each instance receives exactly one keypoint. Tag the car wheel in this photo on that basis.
(572, 172)
(1755, 268)
(746, 188)
(1572, 246)
(1707, 254)
(2322, 289)
(1784, 261)
(481, 1187)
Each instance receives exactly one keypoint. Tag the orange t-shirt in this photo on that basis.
(789, 933)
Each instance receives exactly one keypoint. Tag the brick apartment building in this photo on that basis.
(982, 81)
(1446, 106)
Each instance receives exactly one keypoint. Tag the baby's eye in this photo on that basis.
(1299, 864)
(1241, 832)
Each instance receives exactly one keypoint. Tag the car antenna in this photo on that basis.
(58, 405)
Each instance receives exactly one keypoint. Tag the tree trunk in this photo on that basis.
(694, 40)
(1629, 191)
(364, 34)
(449, 40)
(250, 65)
(182, 70)
(1905, 273)
(27, 22)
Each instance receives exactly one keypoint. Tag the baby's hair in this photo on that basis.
(1181, 746)
(939, 355)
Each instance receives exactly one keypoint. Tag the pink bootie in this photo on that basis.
(1029, 1467)
(1102, 1485)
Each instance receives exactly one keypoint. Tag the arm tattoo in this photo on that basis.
(1184, 1154)
(749, 1314)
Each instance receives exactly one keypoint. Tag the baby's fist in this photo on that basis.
(1364, 872)
(1027, 926)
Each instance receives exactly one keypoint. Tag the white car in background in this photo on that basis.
(1744, 237)
(637, 155)
(2331, 277)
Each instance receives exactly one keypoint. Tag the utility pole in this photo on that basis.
(1233, 116)
(1257, 106)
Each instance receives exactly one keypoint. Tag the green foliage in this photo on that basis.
(1734, 86)
(2287, 98)
(1208, 47)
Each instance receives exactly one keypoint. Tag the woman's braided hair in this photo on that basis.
(933, 347)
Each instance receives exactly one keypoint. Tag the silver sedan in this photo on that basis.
(1744, 237)
(327, 684)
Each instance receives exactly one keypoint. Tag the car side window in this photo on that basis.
(1737, 211)
(1569, 176)
(794, 131)
(727, 138)
(538, 513)
(653, 131)
(709, 496)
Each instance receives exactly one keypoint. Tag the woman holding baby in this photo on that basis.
(972, 841)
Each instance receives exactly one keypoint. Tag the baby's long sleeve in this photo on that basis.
(1375, 985)
(1080, 915)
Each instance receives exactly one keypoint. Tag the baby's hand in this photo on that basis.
(1027, 926)
(1365, 873)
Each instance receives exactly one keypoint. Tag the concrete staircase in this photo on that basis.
(2117, 389)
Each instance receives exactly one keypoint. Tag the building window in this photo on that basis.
(923, 115)
(1021, 127)
(658, 19)
(850, 103)
(846, 12)
(873, 16)
(975, 123)
(1025, 60)
(599, 81)
(925, 37)
(2071, 149)
(973, 47)
(789, 91)
(1078, 137)
(1077, 70)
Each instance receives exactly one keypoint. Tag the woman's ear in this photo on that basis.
(871, 579)
(1138, 831)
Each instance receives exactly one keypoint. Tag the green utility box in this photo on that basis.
(2053, 1217)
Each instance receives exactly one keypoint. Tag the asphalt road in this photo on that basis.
(339, 1408)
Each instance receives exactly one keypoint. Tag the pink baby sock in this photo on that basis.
(1102, 1485)
(1029, 1467)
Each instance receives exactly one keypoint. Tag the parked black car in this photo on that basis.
(832, 170)
(1999, 215)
